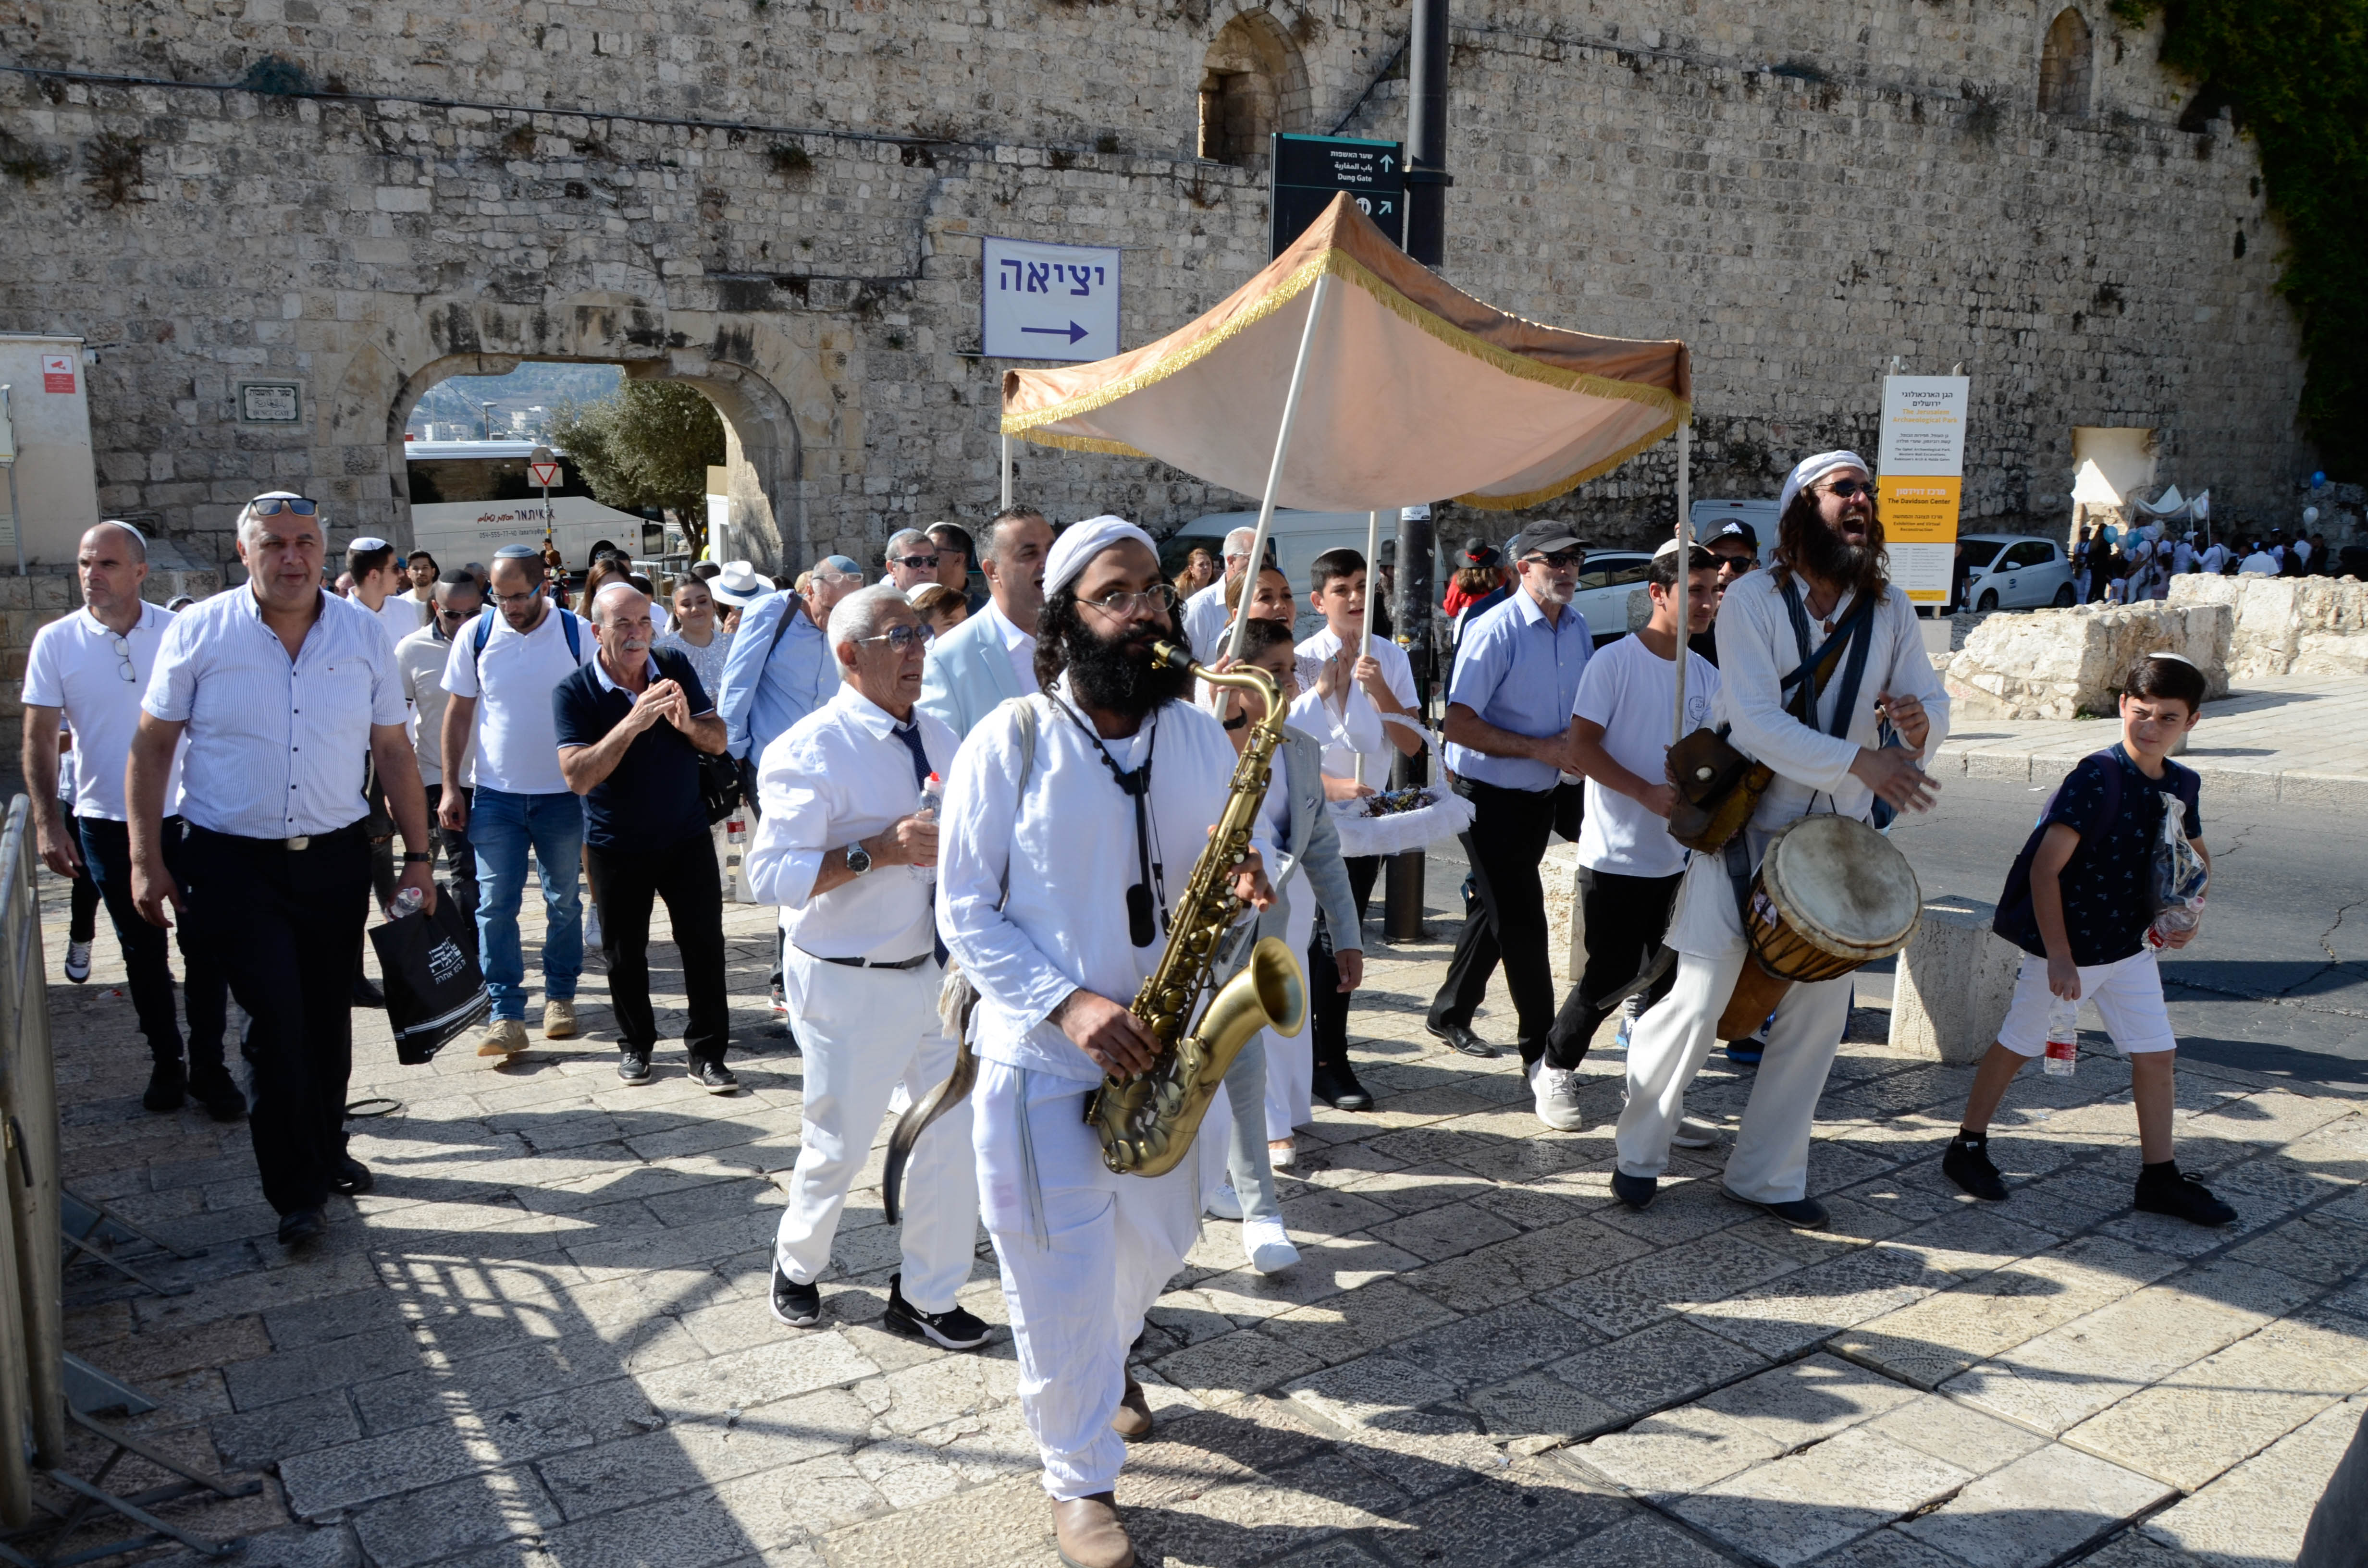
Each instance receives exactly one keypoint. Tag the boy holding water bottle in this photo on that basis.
(2081, 903)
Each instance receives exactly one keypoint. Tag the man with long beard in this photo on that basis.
(1072, 823)
(1829, 562)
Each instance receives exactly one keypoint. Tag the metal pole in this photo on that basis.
(15, 521)
(1402, 898)
(1425, 175)
(1685, 565)
(1372, 588)
(1274, 470)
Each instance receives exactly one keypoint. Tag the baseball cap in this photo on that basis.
(1732, 528)
(1543, 538)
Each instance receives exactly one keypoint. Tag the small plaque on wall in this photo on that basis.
(270, 402)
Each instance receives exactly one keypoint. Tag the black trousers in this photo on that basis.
(460, 855)
(1626, 919)
(1507, 839)
(283, 925)
(107, 852)
(1327, 1010)
(625, 884)
(82, 909)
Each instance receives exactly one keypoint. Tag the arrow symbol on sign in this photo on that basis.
(1388, 163)
(1072, 332)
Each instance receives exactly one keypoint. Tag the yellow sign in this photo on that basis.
(1920, 508)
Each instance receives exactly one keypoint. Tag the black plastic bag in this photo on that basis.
(435, 987)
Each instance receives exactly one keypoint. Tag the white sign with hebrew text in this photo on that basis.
(1046, 301)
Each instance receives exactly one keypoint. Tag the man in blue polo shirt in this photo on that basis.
(1507, 730)
(630, 725)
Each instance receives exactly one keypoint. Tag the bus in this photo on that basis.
(470, 498)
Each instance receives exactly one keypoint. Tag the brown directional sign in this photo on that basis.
(1308, 171)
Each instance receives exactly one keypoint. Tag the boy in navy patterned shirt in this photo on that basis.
(2083, 929)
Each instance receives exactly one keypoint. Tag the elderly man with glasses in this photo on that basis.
(1508, 719)
(90, 670)
(420, 659)
(912, 560)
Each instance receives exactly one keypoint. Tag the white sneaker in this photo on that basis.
(1223, 1203)
(591, 927)
(1693, 1132)
(1556, 1092)
(78, 961)
(1268, 1245)
(1282, 1154)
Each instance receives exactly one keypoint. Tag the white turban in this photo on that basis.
(1808, 470)
(1080, 543)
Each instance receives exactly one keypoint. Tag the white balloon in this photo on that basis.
(2310, 514)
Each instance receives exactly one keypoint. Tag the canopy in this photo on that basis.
(1412, 389)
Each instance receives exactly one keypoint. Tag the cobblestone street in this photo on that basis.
(543, 1340)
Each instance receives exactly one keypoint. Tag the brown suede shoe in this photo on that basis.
(1132, 1421)
(1089, 1534)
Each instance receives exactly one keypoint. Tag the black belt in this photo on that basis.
(302, 841)
(916, 961)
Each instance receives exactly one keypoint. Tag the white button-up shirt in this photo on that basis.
(1019, 646)
(516, 738)
(1354, 727)
(836, 776)
(75, 666)
(1203, 616)
(276, 746)
(1068, 848)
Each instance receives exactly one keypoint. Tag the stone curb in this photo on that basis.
(2253, 786)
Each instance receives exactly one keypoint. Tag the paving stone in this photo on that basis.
(1805, 1400)
(690, 1455)
(1795, 1508)
(1525, 1266)
(1369, 1391)
(1677, 1452)
(270, 1435)
(445, 1520)
(1535, 1405)
(668, 1532)
(1968, 1242)
(1222, 1370)
(2136, 1549)
(1640, 1540)
(1627, 1297)
(2037, 1510)
(2307, 1246)
(1356, 1322)
(1324, 1270)
(2230, 1405)
(796, 1364)
(1491, 1346)
(1341, 1551)
(1448, 1230)
(1425, 1452)
(1886, 1549)
(1964, 1436)
(1007, 1523)
(1794, 1310)
(1932, 1340)
(505, 1377)
(1518, 1518)
(1655, 1367)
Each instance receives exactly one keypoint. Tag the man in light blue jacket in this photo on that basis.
(991, 657)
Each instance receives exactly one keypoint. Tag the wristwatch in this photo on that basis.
(858, 859)
(417, 857)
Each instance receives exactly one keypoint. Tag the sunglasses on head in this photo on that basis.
(272, 505)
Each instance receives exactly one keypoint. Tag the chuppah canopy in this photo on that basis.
(1407, 390)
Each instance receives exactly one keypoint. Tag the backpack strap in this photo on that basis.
(478, 638)
(567, 626)
(485, 633)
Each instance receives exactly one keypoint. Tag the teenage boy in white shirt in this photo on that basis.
(1629, 867)
(379, 588)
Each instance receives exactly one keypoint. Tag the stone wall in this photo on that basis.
(782, 205)
(2060, 663)
(2305, 626)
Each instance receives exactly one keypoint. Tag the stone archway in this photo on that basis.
(768, 386)
(1253, 81)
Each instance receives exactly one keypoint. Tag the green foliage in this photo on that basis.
(2296, 73)
(649, 445)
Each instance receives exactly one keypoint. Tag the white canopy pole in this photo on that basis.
(1372, 588)
(1006, 468)
(1274, 472)
(1685, 562)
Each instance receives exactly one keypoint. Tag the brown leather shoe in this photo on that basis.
(1132, 1421)
(1089, 1533)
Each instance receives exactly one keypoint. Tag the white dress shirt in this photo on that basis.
(516, 739)
(1019, 646)
(401, 615)
(275, 746)
(838, 775)
(1355, 727)
(1204, 617)
(75, 666)
(1069, 849)
(419, 660)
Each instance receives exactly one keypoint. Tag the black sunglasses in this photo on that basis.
(272, 505)
(1848, 488)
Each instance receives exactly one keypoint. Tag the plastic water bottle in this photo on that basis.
(2062, 1036)
(933, 795)
(735, 832)
(406, 902)
(2179, 918)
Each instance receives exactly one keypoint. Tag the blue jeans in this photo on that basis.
(502, 826)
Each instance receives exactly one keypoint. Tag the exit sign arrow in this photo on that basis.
(1072, 332)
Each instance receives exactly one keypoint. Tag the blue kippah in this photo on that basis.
(518, 553)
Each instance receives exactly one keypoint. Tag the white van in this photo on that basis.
(1297, 538)
(1761, 514)
(470, 498)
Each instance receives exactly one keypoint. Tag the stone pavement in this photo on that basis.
(2296, 740)
(542, 1341)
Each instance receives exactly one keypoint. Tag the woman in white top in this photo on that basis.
(696, 636)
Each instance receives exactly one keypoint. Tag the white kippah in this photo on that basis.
(368, 541)
(1810, 470)
(2181, 658)
(614, 586)
(1080, 543)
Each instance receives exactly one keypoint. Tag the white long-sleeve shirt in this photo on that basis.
(1356, 726)
(1068, 846)
(838, 775)
(1756, 649)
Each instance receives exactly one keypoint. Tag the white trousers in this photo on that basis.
(1291, 1062)
(865, 1032)
(1230, 1148)
(1669, 1045)
(1085, 1253)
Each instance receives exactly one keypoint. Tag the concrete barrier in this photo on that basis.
(1953, 983)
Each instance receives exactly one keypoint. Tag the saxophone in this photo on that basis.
(1146, 1123)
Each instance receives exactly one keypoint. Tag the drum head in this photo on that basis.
(1844, 887)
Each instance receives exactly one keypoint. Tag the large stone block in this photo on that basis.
(2287, 625)
(2058, 664)
(1955, 980)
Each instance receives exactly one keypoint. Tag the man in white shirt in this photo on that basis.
(2215, 558)
(380, 587)
(1343, 695)
(991, 657)
(500, 674)
(1629, 867)
(847, 846)
(2259, 563)
(2182, 557)
(1829, 563)
(283, 692)
(912, 560)
(1204, 613)
(420, 659)
(420, 573)
(89, 669)
(1043, 843)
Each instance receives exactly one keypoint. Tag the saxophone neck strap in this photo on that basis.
(1141, 908)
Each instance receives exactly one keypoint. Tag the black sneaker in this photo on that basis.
(633, 1066)
(1967, 1164)
(1634, 1190)
(1800, 1213)
(798, 1305)
(168, 1085)
(2181, 1197)
(714, 1077)
(212, 1087)
(954, 1328)
(353, 1178)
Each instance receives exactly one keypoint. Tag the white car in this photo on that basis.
(2015, 572)
(1604, 585)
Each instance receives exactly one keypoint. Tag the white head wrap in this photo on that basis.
(1810, 470)
(1080, 543)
